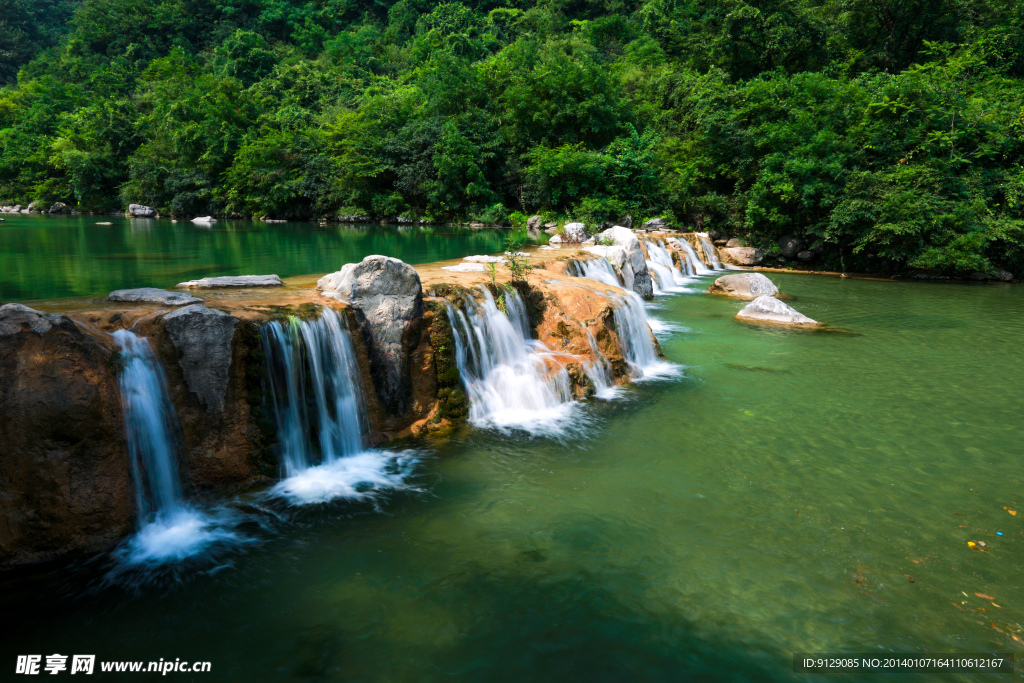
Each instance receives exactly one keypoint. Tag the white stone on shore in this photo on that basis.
(466, 268)
(154, 295)
(484, 259)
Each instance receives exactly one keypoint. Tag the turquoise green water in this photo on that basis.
(45, 257)
(778, 499)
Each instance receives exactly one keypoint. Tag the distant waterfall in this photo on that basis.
(695, 265)
(667, 278)
(709, 250)
(510, 378)
(169, 529)
(320, 413)
(599, 269)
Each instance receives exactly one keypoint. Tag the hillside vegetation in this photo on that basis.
(886, 133)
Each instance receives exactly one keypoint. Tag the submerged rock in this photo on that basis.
(741, 256)
(641, 278)
(64, 471)
(154, 295)
(140, 211)
(743, 286)
(203, 337)
(233, 281)
(387, 298)
(770, 310)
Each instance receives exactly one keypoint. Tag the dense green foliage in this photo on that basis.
(886, 133)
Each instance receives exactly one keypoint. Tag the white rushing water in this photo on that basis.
(694, 266)
(170, 529)
(632, 323)
(668, 279)
(709, 250)
(511, 379)
(318, 406)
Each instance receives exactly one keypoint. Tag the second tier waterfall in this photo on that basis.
(318, 406)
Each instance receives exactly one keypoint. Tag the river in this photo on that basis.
(789, 491)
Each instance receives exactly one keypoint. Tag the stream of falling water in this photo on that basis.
(318, 405)
(169, 528)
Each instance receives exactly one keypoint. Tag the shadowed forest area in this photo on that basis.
(887, 134)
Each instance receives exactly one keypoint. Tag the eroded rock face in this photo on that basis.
(741, 256)
(768, 309)
(140, 211)
(625, 238)
(744, 286)
(64, 470)
(203, 338)
(154, 295)
(387, 297)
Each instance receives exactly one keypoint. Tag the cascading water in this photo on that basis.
(169, 529)
(709, 250)
(694, 265)
(317, 402)
(667, 277)
(631, 322)
(599, 269)
(510, 378)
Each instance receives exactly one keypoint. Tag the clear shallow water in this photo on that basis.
(45, 257)
(777, 498)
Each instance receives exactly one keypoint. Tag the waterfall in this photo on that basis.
(512, 380)
(709, 250)
(320, 414)
(631, 323)
(668, 279)
(599, 269)
(694, 265)
(169, 529)
(635, 340)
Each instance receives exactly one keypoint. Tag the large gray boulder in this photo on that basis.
(232, 281)
(534, 222)
(59, 207)
(789, 246)
(203, 337)
(17, 317)
(140, 211)
(767, 309)
(574, 233)
(741, 256)
(641, 277)
(654, 224)
(154, 295)
(387, 298)
(744, 286)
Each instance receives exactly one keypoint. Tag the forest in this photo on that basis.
(886, 134)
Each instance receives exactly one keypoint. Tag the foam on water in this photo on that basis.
(354, 477)
(175, 536)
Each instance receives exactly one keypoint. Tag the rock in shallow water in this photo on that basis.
(203, 336)
(232, 281)
(387, 297)
(770, 310)
(744, 286)
(154, 295)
